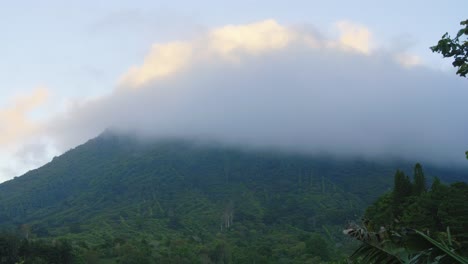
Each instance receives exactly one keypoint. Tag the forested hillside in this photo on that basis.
(119, 199)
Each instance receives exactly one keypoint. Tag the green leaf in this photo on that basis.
(369, 253)
(444, 248)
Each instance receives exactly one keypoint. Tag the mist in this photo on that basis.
(297, 97)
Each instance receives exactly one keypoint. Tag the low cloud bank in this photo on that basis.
(267, 85)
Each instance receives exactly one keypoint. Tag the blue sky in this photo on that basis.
(79, 50)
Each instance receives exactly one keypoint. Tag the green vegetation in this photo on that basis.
(13, 249)
(415, 225)
(457, 48)
(118, 200)
(389, 246)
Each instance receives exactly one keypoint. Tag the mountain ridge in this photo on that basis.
(116, 185)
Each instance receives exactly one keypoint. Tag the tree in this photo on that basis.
(317, 246)
(457, 48)
(401, 190)
(422, 232)
(419, 180)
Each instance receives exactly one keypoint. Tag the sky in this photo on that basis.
(344, 77)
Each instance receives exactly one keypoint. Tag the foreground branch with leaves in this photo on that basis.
(456, 47)
(415, 224)
(408, 246)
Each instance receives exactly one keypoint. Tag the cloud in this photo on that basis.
(162, 61)
(253, 38)
(20, 134)
(28, 154)
(32, 153)
(227, 42)
(354, 36)
(232, 42)
(269, 85)
(408, 60)
(15, 123)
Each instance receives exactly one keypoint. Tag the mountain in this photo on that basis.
(191, 201)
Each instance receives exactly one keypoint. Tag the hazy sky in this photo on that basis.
(346, 77)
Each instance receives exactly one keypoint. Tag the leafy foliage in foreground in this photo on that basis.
(407, 246)
(412, 224)
(431, 211)
(119, 200)
(457, 48)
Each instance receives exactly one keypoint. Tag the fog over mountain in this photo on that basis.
(267, 85)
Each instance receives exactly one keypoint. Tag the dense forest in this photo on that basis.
(415, 223)
(117, 199)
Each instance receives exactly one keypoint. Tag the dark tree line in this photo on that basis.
(14, 249)
(412, 205)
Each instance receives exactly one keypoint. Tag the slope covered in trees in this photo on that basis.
(433, 210)
(415, 224)
(118, 199)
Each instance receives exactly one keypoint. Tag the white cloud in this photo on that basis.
(20, 147)
(354, 36)
(163, 60)
(253, 38)
(15, 123)
(289, 88)
(408, 60)
(266, 84)
(232, 42)
(229, 42)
